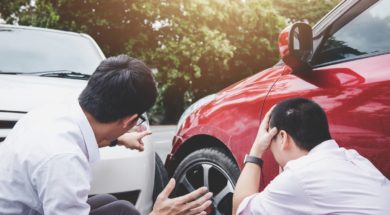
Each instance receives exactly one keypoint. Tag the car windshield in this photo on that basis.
(32, 51)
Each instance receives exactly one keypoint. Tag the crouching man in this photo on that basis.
(318, 176)
(45, 160)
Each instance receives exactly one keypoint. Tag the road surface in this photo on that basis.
(162, 138)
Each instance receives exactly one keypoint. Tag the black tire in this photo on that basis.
(221, 177)
(160, 177)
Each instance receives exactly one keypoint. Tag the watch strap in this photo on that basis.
(114, 143)
(253, 159)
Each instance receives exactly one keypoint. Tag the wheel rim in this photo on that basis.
(198, 175)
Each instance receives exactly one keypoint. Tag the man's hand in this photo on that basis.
(264, 136)
(195, 202)
(133, 140)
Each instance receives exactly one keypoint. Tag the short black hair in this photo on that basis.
(119, 87)
(303, 119)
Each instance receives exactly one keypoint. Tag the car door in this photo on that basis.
(350, 79)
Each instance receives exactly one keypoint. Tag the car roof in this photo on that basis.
(21, 27)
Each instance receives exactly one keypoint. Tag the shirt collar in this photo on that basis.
(89, 138)
(324, 146)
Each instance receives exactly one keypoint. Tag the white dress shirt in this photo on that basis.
(328, 180)
(45, 163)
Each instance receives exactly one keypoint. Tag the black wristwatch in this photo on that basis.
(114, 143)
(253, 159)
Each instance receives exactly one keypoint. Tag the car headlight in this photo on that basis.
(194, 107)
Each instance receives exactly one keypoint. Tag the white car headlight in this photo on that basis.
(194, 107)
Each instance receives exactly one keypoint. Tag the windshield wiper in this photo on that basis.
(61, 74)
(10, 73)
(53, 73)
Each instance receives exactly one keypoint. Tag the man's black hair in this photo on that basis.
(304, 120)
(119, 87)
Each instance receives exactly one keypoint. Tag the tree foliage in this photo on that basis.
(206, 45)
(198, 46)
(8, 9)
(305, 10)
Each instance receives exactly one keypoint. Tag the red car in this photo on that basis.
(343, 64)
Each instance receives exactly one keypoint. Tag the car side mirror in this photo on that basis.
(296, 46)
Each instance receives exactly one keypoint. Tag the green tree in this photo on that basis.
(198, 46)
(206, 45)
(189, 49)
(9, 9)
(41, 14)
(301, 10)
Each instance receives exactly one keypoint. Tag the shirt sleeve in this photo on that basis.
(62, 184)
(246, 206)
(284, 195)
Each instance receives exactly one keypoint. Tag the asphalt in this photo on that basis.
(162, 136)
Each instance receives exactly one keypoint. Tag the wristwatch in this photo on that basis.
(114, 143)
(253, 159)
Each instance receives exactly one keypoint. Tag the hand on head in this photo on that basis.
(264, 135)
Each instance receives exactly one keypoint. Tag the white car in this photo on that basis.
(41, 66)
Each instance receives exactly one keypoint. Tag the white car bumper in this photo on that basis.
(122, 170)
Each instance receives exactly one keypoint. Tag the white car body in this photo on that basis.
(120, 170)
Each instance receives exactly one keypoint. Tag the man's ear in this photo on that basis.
(128, 120)
(285, 140)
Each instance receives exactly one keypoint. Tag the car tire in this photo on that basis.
(213, 168)
(160, 177)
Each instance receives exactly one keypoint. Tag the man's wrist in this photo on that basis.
(253, 160)
(256, 154)
(117, 142)
(255, 151)
(114, 143)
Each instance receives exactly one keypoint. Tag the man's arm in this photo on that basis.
(249, 180)
(62, 183)
(247, 184)
(194, 203)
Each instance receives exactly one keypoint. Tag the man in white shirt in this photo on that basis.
(318, 176)
(45, 160)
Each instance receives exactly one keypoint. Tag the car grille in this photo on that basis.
(5, 128)
(8, 119)
(7, 124)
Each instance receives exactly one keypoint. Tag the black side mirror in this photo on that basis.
(296, 46)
